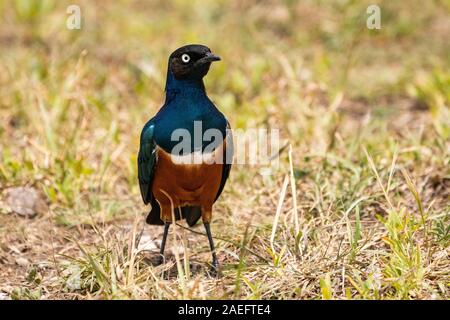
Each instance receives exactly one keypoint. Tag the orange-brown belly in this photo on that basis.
(181, 184)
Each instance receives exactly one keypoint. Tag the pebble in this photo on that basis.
(24, 201)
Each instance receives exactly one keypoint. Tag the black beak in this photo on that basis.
(210, 58)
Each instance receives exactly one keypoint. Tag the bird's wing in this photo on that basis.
(147, 158)
(227, 159)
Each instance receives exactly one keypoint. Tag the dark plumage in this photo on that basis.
(186, 190)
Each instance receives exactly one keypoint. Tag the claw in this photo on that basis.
(214, 270)
(159, 260)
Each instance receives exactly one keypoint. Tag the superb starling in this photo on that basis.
(171, 177)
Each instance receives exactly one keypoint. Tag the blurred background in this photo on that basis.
(73, 102)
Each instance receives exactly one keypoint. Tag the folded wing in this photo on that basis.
(146, 162)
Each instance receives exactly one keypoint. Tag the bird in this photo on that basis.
(183, 179)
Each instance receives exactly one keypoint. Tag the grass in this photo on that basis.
(358, 207)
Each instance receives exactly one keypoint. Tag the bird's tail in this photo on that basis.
(192, 214)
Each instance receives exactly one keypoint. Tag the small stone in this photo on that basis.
(25, 201)
(23, 262)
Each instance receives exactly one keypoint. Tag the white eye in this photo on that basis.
(185, 58)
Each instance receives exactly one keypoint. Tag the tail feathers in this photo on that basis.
(192, 214)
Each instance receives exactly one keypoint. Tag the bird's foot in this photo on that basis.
(159, 260)
(214, 270)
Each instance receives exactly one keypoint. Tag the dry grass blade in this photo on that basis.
(294, 192)
(278, 212)
(379, 181)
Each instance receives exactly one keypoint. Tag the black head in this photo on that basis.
(191, 61)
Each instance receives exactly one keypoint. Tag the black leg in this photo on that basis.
(163, 243)
(215, 262)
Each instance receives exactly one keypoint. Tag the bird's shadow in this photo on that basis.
(169, 268)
